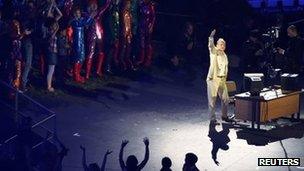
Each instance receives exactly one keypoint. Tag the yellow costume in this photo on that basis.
(216, 79)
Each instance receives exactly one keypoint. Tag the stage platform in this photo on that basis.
(172, 115)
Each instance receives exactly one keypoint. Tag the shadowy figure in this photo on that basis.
(61, 154)
(262, 138)
(93, 166)
(190, 161)
(219, 140)
(132, 162)
(166, 163)
(52, 155)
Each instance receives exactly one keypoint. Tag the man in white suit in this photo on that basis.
(216, 78)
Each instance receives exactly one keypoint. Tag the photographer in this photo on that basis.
(294, 52)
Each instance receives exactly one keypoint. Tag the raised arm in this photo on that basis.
(145, 161)
(121, 162)
(211, 45)
(103, 166)
(59, 13)
(84, 158)
(103, 9)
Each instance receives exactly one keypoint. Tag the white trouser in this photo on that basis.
(217, 87)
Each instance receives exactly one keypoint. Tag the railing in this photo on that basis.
(19, 106)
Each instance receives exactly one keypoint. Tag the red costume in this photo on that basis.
(146, 24)
(126, 36)
(16, 55)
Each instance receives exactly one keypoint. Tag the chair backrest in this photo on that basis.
(231, 86)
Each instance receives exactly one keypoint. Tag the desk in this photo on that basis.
(271, 104)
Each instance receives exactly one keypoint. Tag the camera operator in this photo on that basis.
(294, 52)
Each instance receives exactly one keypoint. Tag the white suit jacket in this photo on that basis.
(218, 62)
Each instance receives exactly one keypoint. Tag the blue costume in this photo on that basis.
(78, 37)
(78, 46)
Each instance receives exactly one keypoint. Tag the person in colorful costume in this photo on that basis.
(95, 36)
(16, 54)
(126, 38)
(76, 32)
(146, 24)
(113, 24)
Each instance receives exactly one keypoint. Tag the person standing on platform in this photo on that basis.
(216, 78)
(126, 39)
(52, 51)
(95, 37)
(294, 53)
(78, 25)
(146, 26)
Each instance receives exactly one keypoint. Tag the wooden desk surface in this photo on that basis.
(267, 95)
(272, 104)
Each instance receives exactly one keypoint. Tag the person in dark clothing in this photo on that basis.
(132, 162)
(52, 51)
(190, 161)
(166, 163)
(219, 140)
(183, 59)
(294, 52)
(28, 23)
(63, 55)
(252, 52)
(93, 166)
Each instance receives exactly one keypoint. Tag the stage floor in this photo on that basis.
(175, 119)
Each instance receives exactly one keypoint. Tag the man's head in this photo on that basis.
(31, 4)
(190, 159)
(94, 167)
(132, 162)
(127, 4)
(77, 13)
(292, 31)
(166, 162)
(221, 44)
(92, 6)
(189, 28)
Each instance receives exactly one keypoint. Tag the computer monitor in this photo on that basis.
(254, 83)
(290, 82)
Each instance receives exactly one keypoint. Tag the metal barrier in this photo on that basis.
(21, 106)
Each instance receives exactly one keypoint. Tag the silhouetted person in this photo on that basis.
(252, 52)
(62, 153)
(52, 155)
(190, 161)
(132, 162)
(166, 164)
(93, 166)
(183, 59)
(219, 140)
